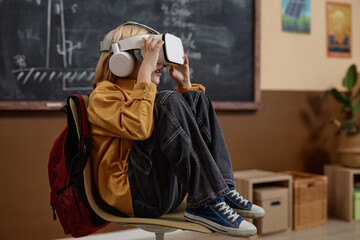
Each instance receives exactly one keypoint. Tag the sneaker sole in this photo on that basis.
(219, 228)
(248, 214)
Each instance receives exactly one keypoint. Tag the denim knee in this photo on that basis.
(168, 97)
(193, 97)
(162, 96)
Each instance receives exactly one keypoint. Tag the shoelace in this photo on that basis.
(238, 197)
(222, 206)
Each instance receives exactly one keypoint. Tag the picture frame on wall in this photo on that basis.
(296, 16)
(338, 30)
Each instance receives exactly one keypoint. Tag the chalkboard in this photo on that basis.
(50, 48)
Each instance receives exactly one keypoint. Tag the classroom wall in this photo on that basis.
(291, 131)
(299, 61)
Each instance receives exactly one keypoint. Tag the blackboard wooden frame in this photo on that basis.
(218, 105)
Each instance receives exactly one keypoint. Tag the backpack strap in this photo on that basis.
(77, 116)
(77, 151)
(77, 141)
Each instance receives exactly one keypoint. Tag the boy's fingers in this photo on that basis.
(143, 41)
(156, 43)
(186, 60)
(171, 70)
(153, 44)
(160, 43)
(150, 39)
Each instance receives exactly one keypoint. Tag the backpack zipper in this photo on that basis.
(54, 214)
(64, 188)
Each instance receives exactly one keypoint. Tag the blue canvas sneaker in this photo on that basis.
(219, 217)
(242, 206)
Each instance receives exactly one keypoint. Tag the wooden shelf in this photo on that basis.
(247, 180)
(340, 191)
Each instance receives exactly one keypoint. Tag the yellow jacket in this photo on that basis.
(118, 115)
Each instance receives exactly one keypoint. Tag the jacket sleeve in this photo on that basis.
(126, 116)
(194, 86)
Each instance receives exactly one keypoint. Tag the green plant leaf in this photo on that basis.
(350, 77)
(339, 96)
(347, 125)
(357, 107)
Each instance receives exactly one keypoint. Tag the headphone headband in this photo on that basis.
(106, 44)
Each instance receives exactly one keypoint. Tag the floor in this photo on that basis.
(332, 230)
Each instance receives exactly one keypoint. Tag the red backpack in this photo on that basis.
(68, 158)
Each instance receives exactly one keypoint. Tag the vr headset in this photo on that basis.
(122, 62)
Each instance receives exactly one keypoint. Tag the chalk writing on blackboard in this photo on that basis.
(65, 48)
(175, 14)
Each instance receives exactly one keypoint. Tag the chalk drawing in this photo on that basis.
(72, 79)
(176, 15)
(69, 77)
(74, 8)
(20, 61)
(68, 62)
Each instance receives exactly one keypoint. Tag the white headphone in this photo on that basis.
(122, 63)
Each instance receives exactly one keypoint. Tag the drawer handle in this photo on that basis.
(275, 203)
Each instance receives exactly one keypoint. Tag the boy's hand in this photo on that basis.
(181, 73)
(150, 49)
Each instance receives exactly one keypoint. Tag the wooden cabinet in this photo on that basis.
(248, 180)
(341, 190)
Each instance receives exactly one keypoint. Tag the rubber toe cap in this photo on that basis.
(258, 211)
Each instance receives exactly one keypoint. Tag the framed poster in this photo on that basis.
(296, 16)
(338, 29)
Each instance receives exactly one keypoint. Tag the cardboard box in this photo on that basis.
(309, 199)
(356, 203)
(275, 202)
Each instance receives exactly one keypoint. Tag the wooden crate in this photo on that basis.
(309, 199)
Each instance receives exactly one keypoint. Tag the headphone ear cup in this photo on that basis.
(121, 64)
(138, 54)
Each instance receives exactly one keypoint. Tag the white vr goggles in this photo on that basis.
(122, 62)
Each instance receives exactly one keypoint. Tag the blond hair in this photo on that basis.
(102, 71)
